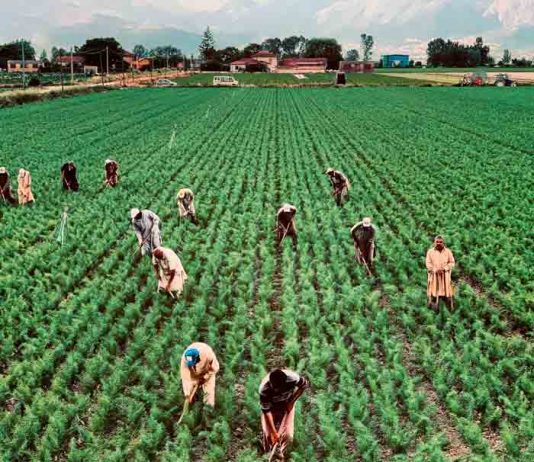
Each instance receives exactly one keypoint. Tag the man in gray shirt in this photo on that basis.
(146, 225)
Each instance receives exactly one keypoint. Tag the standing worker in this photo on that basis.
(146, 225)
(285, 223)
(186, 205)
(25, 187)
(279, 391)
(198, 369)
(340, 185)
(68, 177)
(439, 264)
(5, 187)
(363, 234)
(111, 173)
(170, 273)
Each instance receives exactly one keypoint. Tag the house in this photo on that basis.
(137, 63)
(241, 65)
(77, 62)
(15, 65)
(356, 66)
(270, 59)
(395, 60)
(302, 65)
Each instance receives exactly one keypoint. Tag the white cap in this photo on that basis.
(134, 213)
(3, 170)
(108, 161)
(366, 222)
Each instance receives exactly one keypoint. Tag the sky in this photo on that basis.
(398, 26)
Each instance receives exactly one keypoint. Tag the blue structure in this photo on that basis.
(395, 60)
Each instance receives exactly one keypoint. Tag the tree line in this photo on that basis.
(103, 51)
(294, 46)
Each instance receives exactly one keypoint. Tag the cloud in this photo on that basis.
(512, 13)
(364, 13)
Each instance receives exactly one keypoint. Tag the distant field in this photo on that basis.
(455, 69)
(267, 80)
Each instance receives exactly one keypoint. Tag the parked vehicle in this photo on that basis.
(502, 80)
(165, 83)
(224, 81)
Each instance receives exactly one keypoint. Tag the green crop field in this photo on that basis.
(90, 352)
(262, 79)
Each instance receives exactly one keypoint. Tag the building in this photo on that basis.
(77, 62)
(270, 59)
(137, 63)
(356, 66)
(302, 65)
(395, 60)
(270, 62)
(241, 64)
(263, 60)
(30, 66)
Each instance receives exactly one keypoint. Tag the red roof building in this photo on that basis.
(302, 65)
(65, 60)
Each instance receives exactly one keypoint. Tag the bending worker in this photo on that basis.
(363, 235)
(340, 185)
(170, 273)
(68, 177)
(186, 205)
(5, 187)
(146, 225)
(279, 391)
(111, 173)
(285, 223)
(198, 369)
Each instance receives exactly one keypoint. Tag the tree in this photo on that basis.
(293, 46)
(352, 55)
(274, 45)
(483, 50)
(324, 48)
(523, 62)
(506, 57)
(251, 49)
(207, 45)
(97, 51)
(140, 51)
(166, 56)
(367, 46)
(13, 51)
(228, 54)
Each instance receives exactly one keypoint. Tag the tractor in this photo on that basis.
(476, 79)
(502, 80)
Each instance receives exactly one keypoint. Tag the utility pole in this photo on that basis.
(71, 67)
(23, 65)
(61, 68)
(107, 63)
(101, 68)
(167, 59)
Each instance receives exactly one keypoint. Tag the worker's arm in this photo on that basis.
(450, 262)
(270, 426)
(171, 278)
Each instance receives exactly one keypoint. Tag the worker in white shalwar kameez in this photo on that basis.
(146, 225)
(186, 204)
(169, 270)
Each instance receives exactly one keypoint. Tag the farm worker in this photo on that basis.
(363, 235)
(25, 187)
(186, 205)
(146, 225)
(68, 177)
(285, 223)
(439, 264)
(279, 391)
(198, 368)
(169, 270)
(340, 185)
(111, 173)
(5, 187)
